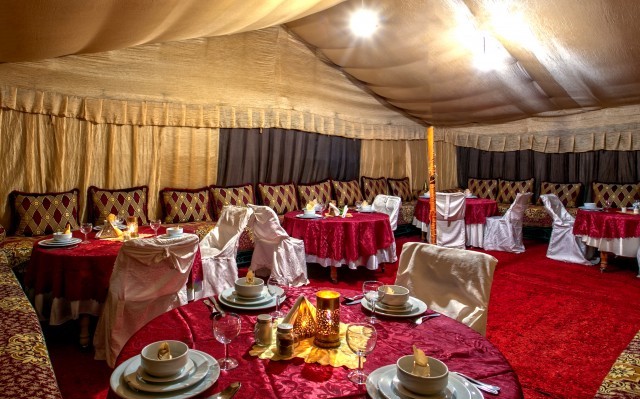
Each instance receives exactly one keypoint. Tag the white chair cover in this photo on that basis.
(450, 208)
(563, 245)
(148, 279)
(219, 249)
(638, 258)
(451, 281)
(390, 205)
(504, 233)
(275, 253)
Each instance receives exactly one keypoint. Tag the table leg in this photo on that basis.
(334, 274)
(84, 330)
(603, 261)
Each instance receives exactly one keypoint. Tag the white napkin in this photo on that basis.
(334, 209)
(344, 211)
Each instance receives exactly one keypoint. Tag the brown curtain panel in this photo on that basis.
(279, 156)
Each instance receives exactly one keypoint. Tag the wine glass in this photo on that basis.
(85, 228)
(361, 338)
(155, 225)
(226, 326)
(273, 283)
(373, 294)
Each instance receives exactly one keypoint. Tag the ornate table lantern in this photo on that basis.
(132, 226)
(327, 319)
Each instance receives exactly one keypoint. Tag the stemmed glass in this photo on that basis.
(226, 326)
(361, 338)
(373, 294)
(85, 228)
(272, 287)
(155, 225)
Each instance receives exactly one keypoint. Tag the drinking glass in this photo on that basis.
(373, 295)
(155, 225)
(361, 338)
(226, 326)
(85, 228)
(272, 287)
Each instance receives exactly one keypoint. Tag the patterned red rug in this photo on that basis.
(560, 325)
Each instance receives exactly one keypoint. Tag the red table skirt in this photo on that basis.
(461, 348)
(601, 224)
(477, 210)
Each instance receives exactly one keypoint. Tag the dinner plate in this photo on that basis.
(59, 244)
(131, 376)
(471, 196)
(366, 211)
(407, 307)
(265, 305)
(314, 216)
(231, 296)
(589, 209)
(417, 307)
(186, 370)
(167, 236)
(212, 372)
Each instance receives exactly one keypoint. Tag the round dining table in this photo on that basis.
(458, 346)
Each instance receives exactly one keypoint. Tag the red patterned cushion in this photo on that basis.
(184, 205)
(42, 214)
(122, 202)
(508, 189)
(3, 232)
(232, 195)
(372, 187)
(347, 192)
(568, 193)
(483, 188)
(618, 194)
(279, 197)
(401, 188)
(320, 192)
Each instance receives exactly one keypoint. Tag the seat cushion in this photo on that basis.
(241, 195)
(279, 197)
(16, 250)
(509, 189)
(483, 188)
(536, 215)
(372, 187)
(40, 214)
(568, 193)
(407, 209)
(320, 192)
(401, 188)
(618, 194)
(347, 192)
(185, 205)
(123, 202)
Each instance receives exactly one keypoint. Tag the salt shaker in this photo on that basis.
(285, 339)
(262, 330)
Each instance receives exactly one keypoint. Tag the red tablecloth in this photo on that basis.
(601, 224)
(477, 210)
(349, 238)
(461, 348)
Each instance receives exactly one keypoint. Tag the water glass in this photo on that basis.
(85, 228)
(273, 283)
(373, 294)
(155, 225)
(361, 339)
(226, 326)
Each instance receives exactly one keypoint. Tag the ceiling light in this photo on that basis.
(364, 22)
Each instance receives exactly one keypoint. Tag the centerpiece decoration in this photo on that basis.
(132, 226)
(110, 228)
(303, 318)
(327, 319)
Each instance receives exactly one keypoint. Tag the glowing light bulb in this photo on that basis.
(364, 22)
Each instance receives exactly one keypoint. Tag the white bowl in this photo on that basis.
(61, 237)
(590, 205)
(249, 290)
(309, 212)
(432, 385)
(367, 208)
(174, 231)
(399, 297)
(164, 368)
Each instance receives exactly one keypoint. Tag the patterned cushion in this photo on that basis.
(372, 187)
(231, 195)
(568, 193)
(42, 214)
(3, 233)
(122, 202)
(508, 189)
(16, 250)
(535, 215)
(184, 205)
(407, 210)
(483, 188)
(320, 192)
(619, 194)
(347, 192)
(279, 197)
(400, 188)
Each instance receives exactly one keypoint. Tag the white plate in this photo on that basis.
(266, 305)
(471, 196)
(120, 387)
(186, 370)
(167, 236)
(130, 376)
(589, 209)
(417, 307)
(408, 307)
(366, 211)
(231, 296)
(59, 244)
(314, 216)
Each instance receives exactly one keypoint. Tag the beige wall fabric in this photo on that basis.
(446, 165)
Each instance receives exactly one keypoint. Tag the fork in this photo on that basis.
(420, 319)
(214, 311)
(483, 386)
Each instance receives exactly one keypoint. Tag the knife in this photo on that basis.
(355, 302)
(216, 305)
(228, 392)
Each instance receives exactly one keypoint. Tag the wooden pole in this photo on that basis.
(432, 185)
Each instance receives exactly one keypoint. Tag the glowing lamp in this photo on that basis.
(327, 319)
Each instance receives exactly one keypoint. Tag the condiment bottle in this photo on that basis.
(262, 331)
(285, 339)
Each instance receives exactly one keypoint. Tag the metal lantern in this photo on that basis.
(327, 319)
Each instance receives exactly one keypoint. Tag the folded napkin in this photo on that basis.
(311, 206)
(109, 230)
(334, 209)
(420, 363)
(389, 290)
(344, 211)
(364, 204)
(303, 317)
(164, 353)
(249, 279)
(67, 229)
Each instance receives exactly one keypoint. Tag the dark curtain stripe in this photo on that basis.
(280, 156)
(583, 167)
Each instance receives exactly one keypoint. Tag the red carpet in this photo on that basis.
(560, 325)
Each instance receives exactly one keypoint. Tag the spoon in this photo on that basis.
(420, 319)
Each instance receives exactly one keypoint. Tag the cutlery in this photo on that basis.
(216, 305)
(354, 302)
(213, 309)
(353, 298)
(420, 319)
(483, 386)
(228, 392)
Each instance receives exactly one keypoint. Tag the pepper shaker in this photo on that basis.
(262, 332)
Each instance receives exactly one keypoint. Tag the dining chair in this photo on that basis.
(504, 233)
(451, 281)
(390, 205)
(563, 245)
(275, 253)
(219, 249)
(450, 224)
(149, 278)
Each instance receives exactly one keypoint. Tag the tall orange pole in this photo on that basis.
(432, 185)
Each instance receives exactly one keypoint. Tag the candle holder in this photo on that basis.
(327, 319)
(132, 226)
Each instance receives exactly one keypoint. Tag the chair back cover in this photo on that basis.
(450, 209)
(505, 233)
(275, 253)
(390, 205)
(515, 213)
(219, 249)
(563, 245)
(451, 281)
(148, 279)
